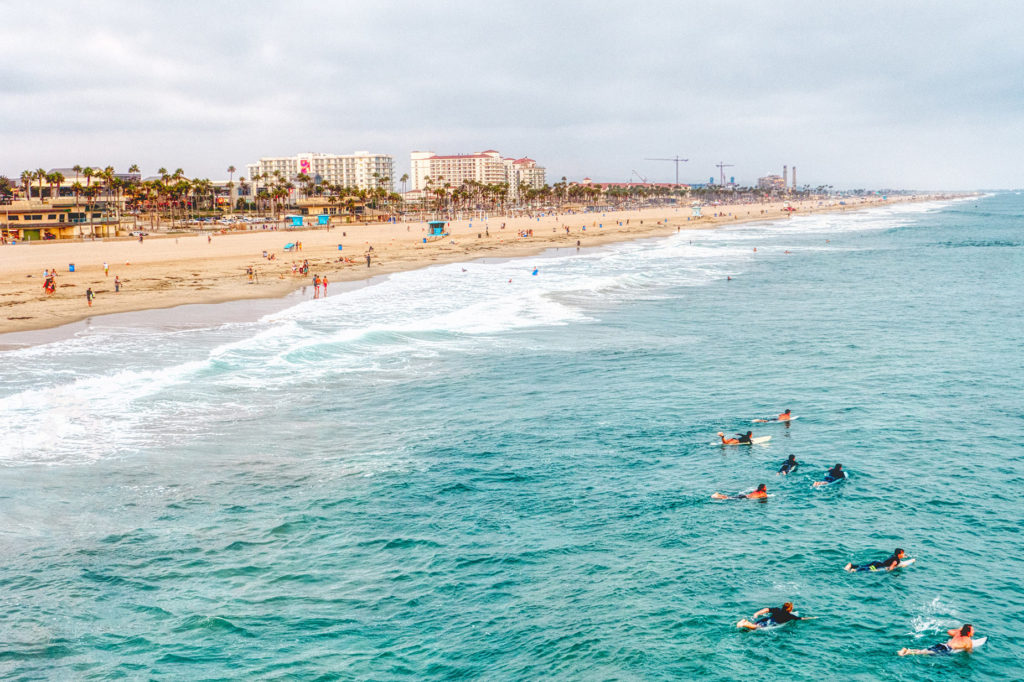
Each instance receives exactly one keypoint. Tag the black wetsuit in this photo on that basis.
(834, 475)
(776, 616)
(877, 565)
(789, 466)
(743, 438)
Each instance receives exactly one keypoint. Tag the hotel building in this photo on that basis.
(361, 169)
(486, 167)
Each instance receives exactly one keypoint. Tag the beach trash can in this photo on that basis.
(339, 247)
(424, 240)
(71, 267)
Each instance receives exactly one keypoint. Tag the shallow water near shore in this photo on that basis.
(473, 471)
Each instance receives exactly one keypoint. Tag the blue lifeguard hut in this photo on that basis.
(437, 228)
(295, 219)
(323, 219)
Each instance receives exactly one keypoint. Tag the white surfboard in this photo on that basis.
(822, 484)
(773, 421)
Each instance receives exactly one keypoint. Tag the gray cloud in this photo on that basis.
(907, 94)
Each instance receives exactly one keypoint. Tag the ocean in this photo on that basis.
(471, 471)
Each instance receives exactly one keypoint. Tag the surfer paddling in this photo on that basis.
(771, 616)
(759, 494)
(740, 439)
(890, 564)
(784, 417)
(834, 474)
(959, 640)
(789, 466)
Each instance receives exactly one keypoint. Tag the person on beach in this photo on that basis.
(890, 564)
(367, 260)
(959, 640)
(789, 466)
(740, 439)
(316, 286)
(106, 269)
(759, 494)
(834, 474)
(770, 617)
(323, 283)
(89, 296)
(117, 284)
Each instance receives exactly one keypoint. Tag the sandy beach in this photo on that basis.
(165, 271)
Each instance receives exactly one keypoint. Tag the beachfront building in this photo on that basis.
(771, 182)
(31, 220)
(361, 170)
(486, 167)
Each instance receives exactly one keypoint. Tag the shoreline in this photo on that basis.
(152, 278)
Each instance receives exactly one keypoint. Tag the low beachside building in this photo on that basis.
(361, 170)
(487, 168)
(35, 221)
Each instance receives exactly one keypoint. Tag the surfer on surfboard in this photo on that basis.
(959, 640)
(759, 494)
(784, 417)
(890, 564)
(771, 616)
(789, 466)
(740, 439)
(834, 474)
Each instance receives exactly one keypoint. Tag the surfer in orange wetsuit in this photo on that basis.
(759, 494)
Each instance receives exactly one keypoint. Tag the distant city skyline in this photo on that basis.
(907, 95)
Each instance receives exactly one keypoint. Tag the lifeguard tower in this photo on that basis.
(436, 229)
(296, 220)
(696, 208)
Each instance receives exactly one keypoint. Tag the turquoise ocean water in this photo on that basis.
(445, 474)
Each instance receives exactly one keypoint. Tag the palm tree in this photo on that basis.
(40, 176)
(404, 180)
(231, 173)
(134, 168)
(88, 173)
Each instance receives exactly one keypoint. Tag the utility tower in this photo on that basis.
(721, 169)
(677, 161)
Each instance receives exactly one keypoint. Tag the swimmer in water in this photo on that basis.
(959, 640)
(834, 474)
(759, 494)
(771, 616)
(789, 466)
(890, 564)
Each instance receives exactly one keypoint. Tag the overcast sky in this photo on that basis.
(879, 94)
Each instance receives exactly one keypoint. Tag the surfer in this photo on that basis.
(784, 417)
(759, 494)
(789, 466)
(834, 474)
(892, 563)
(958, 640)
(740, 439)
(771, 616)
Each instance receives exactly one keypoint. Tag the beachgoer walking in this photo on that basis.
(316, 286)
(323, 283)
(367, 260)
(106, 269)
(89, 296)
(117, 284)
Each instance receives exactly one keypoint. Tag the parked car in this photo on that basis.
(138, 233)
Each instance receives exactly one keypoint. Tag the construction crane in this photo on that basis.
(677, 161)
(642, 178)
(721, 169)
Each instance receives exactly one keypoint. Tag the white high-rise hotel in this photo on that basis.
(361, 169)
(487, 167)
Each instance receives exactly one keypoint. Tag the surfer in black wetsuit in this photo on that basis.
(789, 466)
(745, 438)
(889, 564)
(834, 474)
(770, 616)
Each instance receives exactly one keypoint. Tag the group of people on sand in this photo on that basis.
(960, 639)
